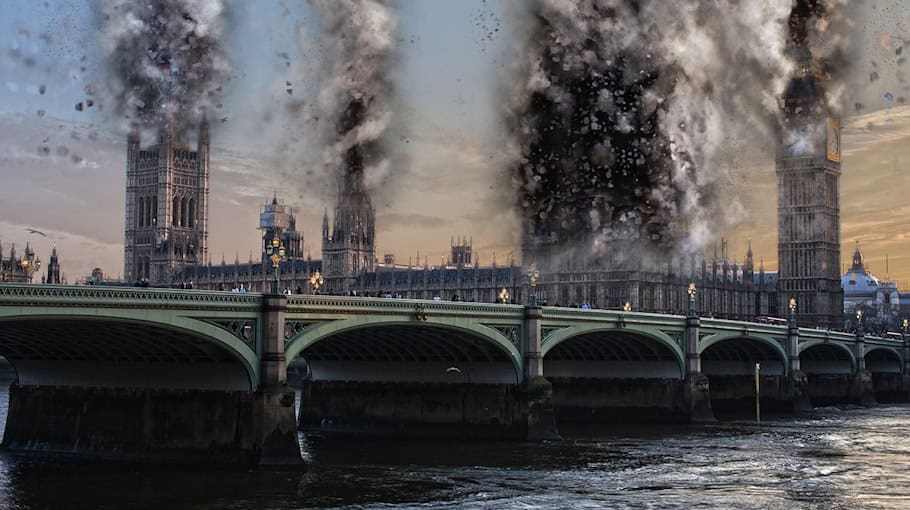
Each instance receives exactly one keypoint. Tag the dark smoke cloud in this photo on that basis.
(165, 58)
(355, 102)
(624, 117)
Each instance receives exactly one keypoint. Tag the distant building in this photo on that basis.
(461, 252)
(14, 269)
(883, 305)
(53, 269)
(167, 205)
(277, 221)
(349, 249)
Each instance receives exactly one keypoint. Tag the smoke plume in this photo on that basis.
(624, 117)
(165, 58)
(355, 96)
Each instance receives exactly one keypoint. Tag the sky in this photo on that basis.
(453, 58)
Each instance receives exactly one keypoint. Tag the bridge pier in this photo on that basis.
(274, 417)
(696, 390)
(862, 389)
(797, 384)
(134, 424)
(538, 391)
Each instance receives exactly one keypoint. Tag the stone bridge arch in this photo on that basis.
(883, 359)
(619, 347)
(818, 356)
(735, 353)
(367, 346)
(121, 347)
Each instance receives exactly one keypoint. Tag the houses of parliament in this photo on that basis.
(167, 197)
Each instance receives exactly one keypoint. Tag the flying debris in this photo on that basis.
(33, 231)
(164, 58)
(620, 131)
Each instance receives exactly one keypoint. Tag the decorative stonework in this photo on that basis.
(245, 330)
(545, 332)
(679, 338)
(125, 297)
(513, 333)
(293, 329)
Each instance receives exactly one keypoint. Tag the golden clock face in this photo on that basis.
(834, 140)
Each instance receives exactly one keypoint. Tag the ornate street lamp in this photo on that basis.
(30, 267)
(627, 307)
(692, 293)
(275, 252)
(533, 277)
(793, 311)
(859, 323)
(316, 281)
(503, 296)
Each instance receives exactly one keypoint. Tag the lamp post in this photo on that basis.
(503, 296)
(792, 321)
(316, 281)
(859, 324)
(627, 307)
(904, 326)
(30, 267)
(692, 293)
(275, 252)
(533, 277)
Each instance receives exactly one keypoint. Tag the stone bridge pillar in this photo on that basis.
(538, 391)
(274, 420)
(697, 398)
(862, 388)
(797, 382)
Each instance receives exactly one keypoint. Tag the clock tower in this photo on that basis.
(808, 205)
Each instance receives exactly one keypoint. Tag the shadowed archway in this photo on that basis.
(93, 352)
(612, 354)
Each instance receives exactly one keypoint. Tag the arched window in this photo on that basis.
(183, 212)
(175, 213)
(154, 211)
(140, 217)
(191, 219)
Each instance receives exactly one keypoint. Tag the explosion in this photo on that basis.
(355, 100)
(165, 58)
(624, 116)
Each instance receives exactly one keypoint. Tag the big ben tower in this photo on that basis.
(808, 184)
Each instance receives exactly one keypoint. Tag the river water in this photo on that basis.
(831, 459)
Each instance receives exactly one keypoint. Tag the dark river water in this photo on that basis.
(832, 459)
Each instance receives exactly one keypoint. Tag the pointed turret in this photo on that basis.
(858, 263)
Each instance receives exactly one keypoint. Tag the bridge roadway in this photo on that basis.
(178, 375)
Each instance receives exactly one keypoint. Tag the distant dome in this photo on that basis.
(858, 282)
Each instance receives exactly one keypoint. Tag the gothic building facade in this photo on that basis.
(22, 269)
(808, 204)
(167, 205)
(349, 248)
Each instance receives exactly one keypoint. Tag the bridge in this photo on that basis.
(188, 375)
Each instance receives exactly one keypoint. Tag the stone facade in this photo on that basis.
(12, 269)
(167, 205)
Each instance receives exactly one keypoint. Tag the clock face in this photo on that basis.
(798, 142)
(834, 140)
